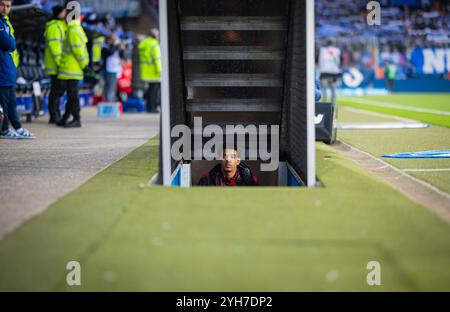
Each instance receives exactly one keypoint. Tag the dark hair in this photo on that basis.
(56, 10)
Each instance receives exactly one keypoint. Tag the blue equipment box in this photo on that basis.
(133, 105)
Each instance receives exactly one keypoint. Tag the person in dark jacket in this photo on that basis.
(230, 172)
(317, 91)
(8, 76)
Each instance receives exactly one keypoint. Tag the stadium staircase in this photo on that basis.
(233, 58)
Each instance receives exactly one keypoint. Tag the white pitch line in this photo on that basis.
(375, 114)
(398, 106)
(382, 125)
(427, 170)
(417, 190)
(427, 185)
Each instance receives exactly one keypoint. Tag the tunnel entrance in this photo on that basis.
(239, 62)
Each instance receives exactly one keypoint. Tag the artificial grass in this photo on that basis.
(439, 102)
(129, 237)
(382, 142)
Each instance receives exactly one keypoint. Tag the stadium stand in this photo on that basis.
(405, 25)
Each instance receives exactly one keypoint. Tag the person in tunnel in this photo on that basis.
(230, 172)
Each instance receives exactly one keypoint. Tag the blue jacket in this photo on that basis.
(8, 71)
(318, 92)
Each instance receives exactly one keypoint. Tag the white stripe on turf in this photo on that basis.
(381, 125)
(427, 170)
(396, 106)
(374, 114)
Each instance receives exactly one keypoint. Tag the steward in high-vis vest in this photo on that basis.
(55, 35)
(75, 58)
(150, 60)
(150, 65)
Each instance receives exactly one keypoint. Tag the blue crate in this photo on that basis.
(24, 104)
(45, 104)
(133, 105)
(86, 98)
(109, 110)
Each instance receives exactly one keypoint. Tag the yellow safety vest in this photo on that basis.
(14, 54)
(55, 34)
(75, 56)
(150, 59)
(97, 45)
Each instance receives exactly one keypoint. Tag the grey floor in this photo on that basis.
(35, 173)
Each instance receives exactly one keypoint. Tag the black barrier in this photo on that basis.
(213, 301)
(177, 89)
(1, 117)
(325, 121)
(293, 143)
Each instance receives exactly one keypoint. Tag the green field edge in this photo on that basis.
(34, 256)
(433, 119)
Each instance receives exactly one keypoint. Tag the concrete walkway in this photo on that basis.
(35, 173)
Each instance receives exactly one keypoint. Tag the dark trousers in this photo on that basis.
(73, 102)
(110, 86)
(328, 82)
(390, 84)
(153, 96)
(55, 98)
(8, 103)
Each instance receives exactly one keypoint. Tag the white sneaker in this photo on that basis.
(25, 134)
(10, 135)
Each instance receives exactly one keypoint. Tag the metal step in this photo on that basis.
(202, 23)
(249, 148)
(245, 157)
(233, 80)
(237, 130)
(232, 53)
(233, 105)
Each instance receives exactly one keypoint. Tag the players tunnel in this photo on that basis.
(232, 66)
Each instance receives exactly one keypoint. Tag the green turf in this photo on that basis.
(440, 102)
(381, 142)
(220, 239)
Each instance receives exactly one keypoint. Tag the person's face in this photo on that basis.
(5, 7)
(230, 161)
(62, 15)
(155, 34)
(112, 39)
